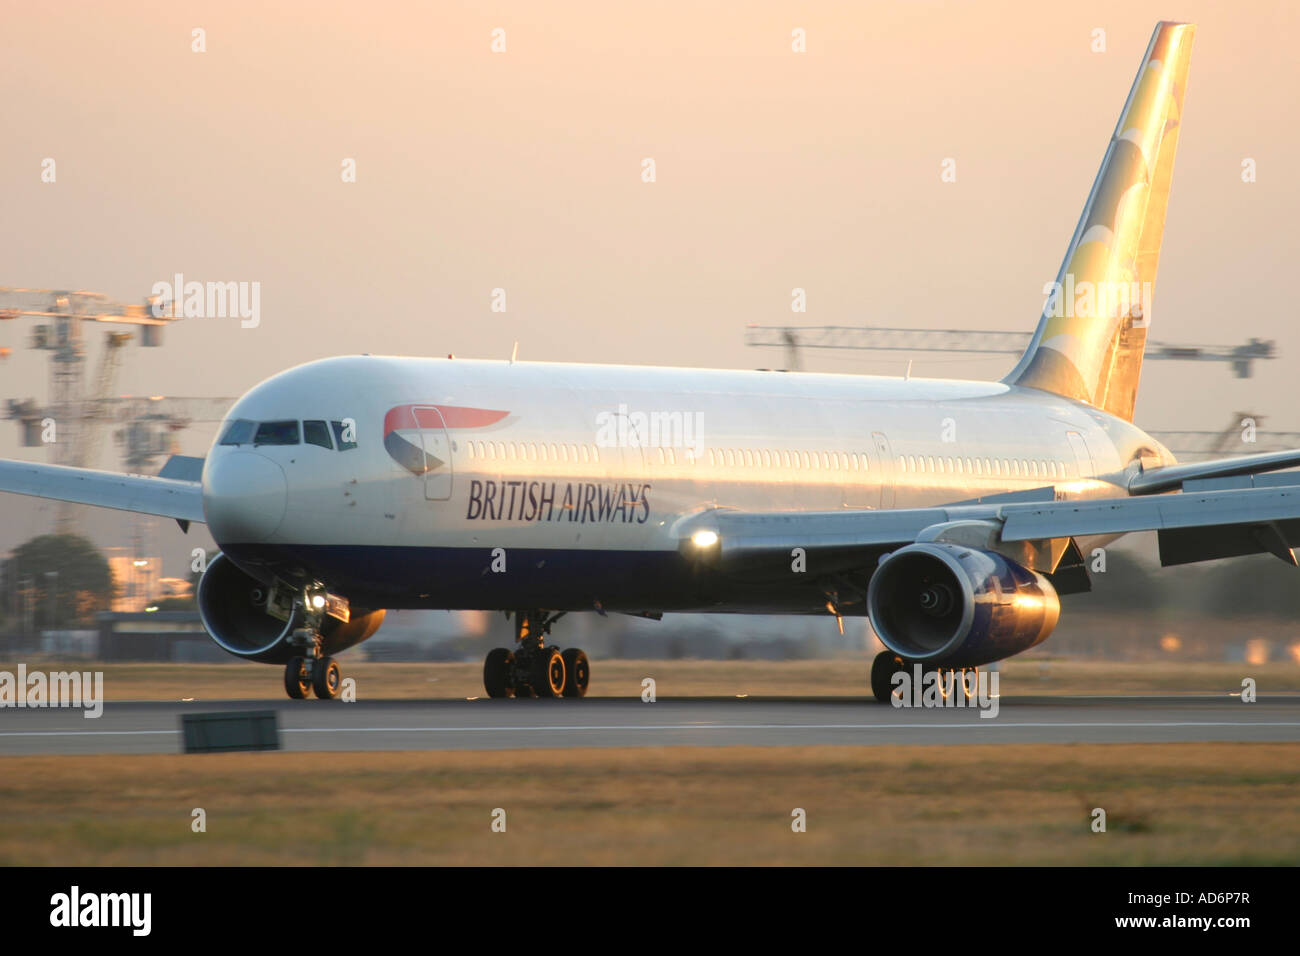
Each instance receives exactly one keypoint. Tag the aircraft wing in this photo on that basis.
(165, 497)
(1210, 518)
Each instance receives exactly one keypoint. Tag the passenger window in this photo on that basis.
(240, 432)
(277, 433)
(339, 441)
(317, 433)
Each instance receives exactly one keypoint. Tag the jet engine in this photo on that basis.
(953, 606)
(241, 614)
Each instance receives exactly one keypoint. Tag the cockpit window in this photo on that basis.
(339, 436)
(317, 433)
(277, 433)
(239, 432)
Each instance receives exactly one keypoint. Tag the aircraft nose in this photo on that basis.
(244, 497)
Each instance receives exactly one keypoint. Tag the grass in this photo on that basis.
(842, 677)
(1179, 804)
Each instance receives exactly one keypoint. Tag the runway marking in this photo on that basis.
(82, 733)
(533, 728)
(608, 727)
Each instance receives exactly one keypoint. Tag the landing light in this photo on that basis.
(318, 601)
(704, 539)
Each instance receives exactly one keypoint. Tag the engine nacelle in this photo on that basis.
(955, 606)
(233, 607)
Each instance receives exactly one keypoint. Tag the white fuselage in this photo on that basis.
(456, 458)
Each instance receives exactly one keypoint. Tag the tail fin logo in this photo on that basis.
(1090, 338)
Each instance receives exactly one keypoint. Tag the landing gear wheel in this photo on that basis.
(577, 673)
(970, 682)
(496, 673)
(883, 669)
(297, 682)
(547, 677)
(326, 678)
(946, 679)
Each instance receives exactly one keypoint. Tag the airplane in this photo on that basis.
(952, 514)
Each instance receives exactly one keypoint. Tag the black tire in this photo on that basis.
(577, 673)
(547, 677)
(883, 669)
(326, 678)
(496, 672)
(296, 685)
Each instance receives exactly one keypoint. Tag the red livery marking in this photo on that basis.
(452, 416)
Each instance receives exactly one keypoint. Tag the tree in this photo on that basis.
(58, 580)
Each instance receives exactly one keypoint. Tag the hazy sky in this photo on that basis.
(522, 170)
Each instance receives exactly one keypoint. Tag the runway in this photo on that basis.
(154, 727)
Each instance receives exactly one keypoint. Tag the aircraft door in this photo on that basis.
(432, 433)
(885, 462)
(1082, 457)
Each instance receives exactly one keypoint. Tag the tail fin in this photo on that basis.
(1089, 340)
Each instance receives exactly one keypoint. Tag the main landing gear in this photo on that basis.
(887, 664)
(534, 668)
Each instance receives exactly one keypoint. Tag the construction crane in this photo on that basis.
(1241, 436)
(149, 425)
(794, 338)
(71, 403)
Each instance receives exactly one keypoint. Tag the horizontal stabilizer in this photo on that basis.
(1172, 477)
(182, 468)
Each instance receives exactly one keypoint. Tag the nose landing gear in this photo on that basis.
(312, 673)
(310, 670)
(534, 668)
